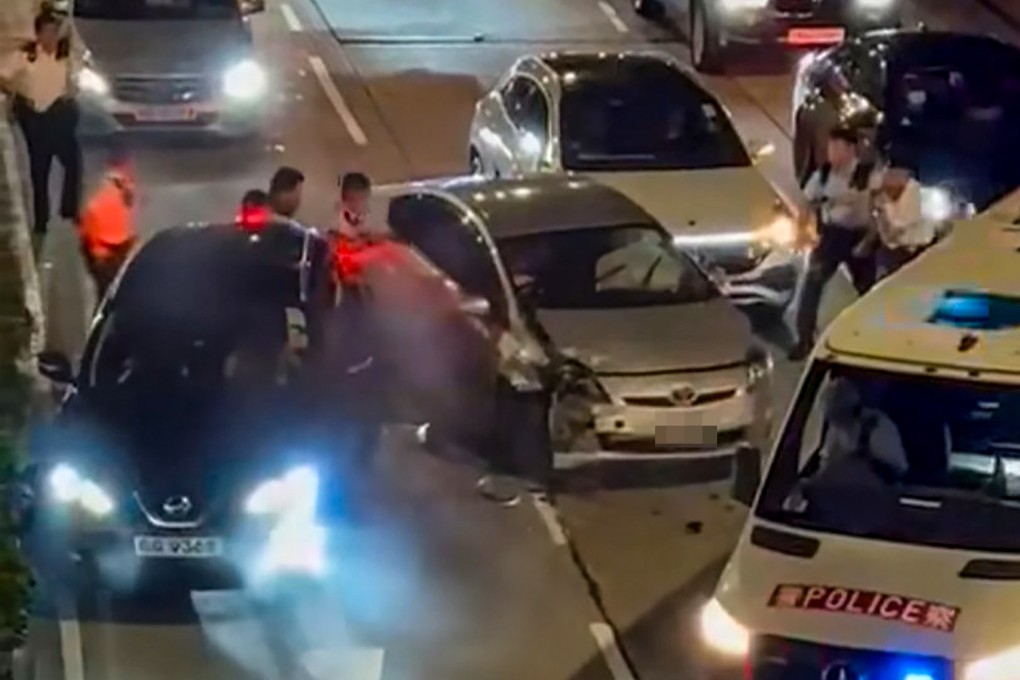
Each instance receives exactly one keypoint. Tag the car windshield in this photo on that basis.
(911, 459)
(142, 10)
(645, 119)
(951, 119)
(604, 267)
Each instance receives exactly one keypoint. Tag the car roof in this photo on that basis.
(541, 204)
(905, 323)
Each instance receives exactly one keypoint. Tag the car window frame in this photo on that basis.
(517, 116)
(463, 224)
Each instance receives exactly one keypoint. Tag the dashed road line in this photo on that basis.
(290, 18)
(70, 649)
(613, 17)
(605, 638)
(336, 99)
(551, 520)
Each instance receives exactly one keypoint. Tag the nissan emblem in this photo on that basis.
(177, 506)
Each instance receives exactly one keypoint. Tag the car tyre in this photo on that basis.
(648, 9)
(707, 49)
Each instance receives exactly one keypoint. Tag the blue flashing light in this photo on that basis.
(918, 676)
(976, 311)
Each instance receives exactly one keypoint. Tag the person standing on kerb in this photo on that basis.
(840, 193)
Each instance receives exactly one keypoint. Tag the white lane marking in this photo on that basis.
(290, 18)
(550, 519)
(70, 649)
(613, 17)
(344, 664)
(337, 100)
(605, 638)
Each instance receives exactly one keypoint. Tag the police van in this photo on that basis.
(883, 542)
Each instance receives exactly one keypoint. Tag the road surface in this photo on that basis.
(433, 583)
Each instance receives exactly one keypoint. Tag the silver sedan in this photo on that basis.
(643, 124)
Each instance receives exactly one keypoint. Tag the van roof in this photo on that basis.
(955, 311)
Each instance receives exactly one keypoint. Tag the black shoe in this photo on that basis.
(800, 351)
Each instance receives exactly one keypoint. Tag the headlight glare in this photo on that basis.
(69, 487)
(743, 5)
(781, 231)
(245, 80)
(936, 204)
(1001, 666)
(90, 81)
(723, 633)
(294, 493)
(874, 4)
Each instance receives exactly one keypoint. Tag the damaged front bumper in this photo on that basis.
(661, 419)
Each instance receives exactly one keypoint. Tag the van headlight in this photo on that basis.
(69, 487)
(294, 494)
(723, 633)
(1001, 666)
(245, 80)
(89, 80)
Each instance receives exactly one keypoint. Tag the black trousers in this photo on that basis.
(890, 260)
(835, 247)
(48, 135)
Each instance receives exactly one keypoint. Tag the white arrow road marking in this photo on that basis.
(230, 622)
(70, 649)
(341, 664)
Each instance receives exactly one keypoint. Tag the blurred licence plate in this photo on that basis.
(815, 36)
(686, 435)
(195, 547)
(165, 114)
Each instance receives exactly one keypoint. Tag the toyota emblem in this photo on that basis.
(840, 671)
(177, 506)
(683, 395)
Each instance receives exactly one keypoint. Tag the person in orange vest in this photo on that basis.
(106, 226)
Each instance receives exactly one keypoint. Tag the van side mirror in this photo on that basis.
(55, 366)
(746, 475)
(249, 7)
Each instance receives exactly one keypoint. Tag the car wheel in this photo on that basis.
(707, 51)
(475, 163)
(649, 9)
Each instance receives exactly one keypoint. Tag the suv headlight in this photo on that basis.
(245, 80)
(723, 633)
(89, 80)
(68, 487)
(294, 494)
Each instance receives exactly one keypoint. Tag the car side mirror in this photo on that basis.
(760, 149)
(475, 306)
(746, 475)
(249, 7)
(59, 7)
(55, 366)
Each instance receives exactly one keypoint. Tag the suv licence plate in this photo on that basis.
(165, 114)
(192, 547)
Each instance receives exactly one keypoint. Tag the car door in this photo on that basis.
(442, 331)
(527, 110)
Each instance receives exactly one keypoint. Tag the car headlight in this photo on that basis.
(723, 633)
(69, 487)
(1001, 666)
(743, 5)
(936, 204)
(875, 4)
(292, 494)
(245, 80)
(89, 80)
(781, 231)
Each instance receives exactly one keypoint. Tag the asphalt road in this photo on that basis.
(432, 582)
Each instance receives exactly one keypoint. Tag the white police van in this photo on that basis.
(884, 541)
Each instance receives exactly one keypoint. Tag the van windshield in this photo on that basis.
(881, 455)
(149, 10)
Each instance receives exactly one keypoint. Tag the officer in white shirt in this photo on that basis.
(841, 194)
(902, 230)
(48, 116)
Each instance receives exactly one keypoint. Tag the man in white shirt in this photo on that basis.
(903, 232)
(48, 117)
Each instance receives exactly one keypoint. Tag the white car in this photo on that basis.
(643, 124)
(168, 66)
(884, 542)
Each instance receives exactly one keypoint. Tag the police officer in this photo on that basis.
(48, 117)
(840, 192)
